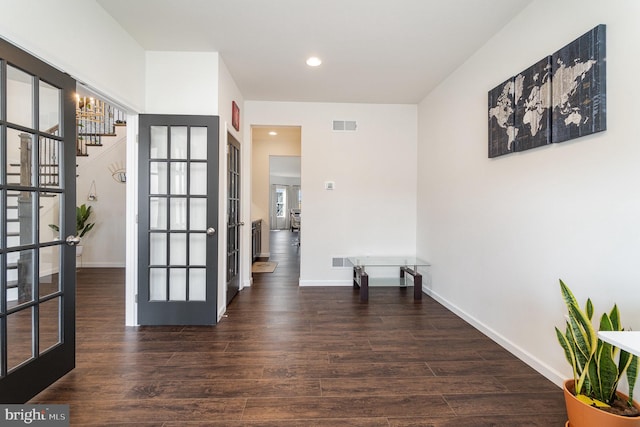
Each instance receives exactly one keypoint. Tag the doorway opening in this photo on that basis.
(101, 156)
(276, 190)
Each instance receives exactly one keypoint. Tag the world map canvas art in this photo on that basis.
(561, 97)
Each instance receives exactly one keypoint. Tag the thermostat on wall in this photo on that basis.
(329, 185)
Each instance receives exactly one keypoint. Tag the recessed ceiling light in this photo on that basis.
(314, 61)
(273, 133)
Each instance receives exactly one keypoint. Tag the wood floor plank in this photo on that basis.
(286, 356)
(472, 367)
(254, 357)
(501, 420)
(223, 388)
(507, 403)
(383, 386)
(345, 407)
(107, 412)
(300, 345)
(304, 422)
(349, 370)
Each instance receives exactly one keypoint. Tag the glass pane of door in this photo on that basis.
(19, 97)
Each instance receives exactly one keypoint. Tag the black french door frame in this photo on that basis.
(156, 278)
(20, 383)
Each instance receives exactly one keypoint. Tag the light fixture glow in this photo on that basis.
(273, 133)
(314, 61)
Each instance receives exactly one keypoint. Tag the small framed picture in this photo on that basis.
(235, 116)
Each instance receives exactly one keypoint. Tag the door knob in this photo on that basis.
(241, 223)
(211, 231)
(72, 240)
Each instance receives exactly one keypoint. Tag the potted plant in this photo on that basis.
(83, 226)
(591, 397)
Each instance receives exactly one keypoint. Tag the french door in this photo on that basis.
(37, 188)
(233, 217)
(178, 220)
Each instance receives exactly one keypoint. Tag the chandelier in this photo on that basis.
(89, 109)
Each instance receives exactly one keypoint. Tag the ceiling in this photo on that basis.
(373, 51)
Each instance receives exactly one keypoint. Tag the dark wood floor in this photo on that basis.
(288, 356)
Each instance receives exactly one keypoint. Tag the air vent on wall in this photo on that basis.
(345, 125)
(341, 262)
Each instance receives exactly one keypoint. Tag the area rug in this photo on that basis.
(263, 267)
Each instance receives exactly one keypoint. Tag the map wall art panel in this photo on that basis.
(533, 106)
(579, 87)
(561, 97)
(502, 119)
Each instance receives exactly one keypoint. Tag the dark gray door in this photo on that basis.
(178, 220)
(37, 188)
(233, 217)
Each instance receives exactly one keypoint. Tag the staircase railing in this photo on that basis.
(95, 118)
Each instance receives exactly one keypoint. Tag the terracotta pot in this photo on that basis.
(583, 415)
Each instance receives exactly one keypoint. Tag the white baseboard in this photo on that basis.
(536, 364)
(325, 282)
(264, 255)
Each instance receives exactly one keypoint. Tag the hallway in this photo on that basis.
(287, 356)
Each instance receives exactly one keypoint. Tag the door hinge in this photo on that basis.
(136, 298)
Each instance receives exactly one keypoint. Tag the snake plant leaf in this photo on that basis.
(568, 351)
(567, 295)
(579, 317)
(584, 343)
(632, 375)
(583, 331)
(608, 372)
(624, 362)
(605, 389)
(592, 402)
(615, 319)
(589, 308)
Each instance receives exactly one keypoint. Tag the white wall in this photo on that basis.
(181, 83)
(373, 207)
(79, 38)
(501, 232)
